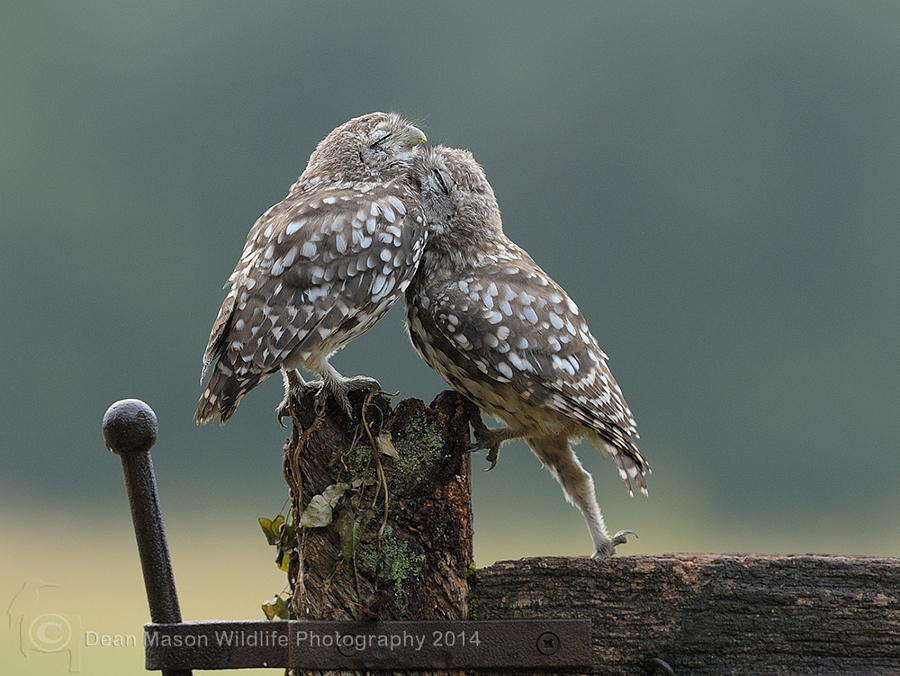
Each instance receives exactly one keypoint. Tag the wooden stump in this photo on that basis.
(384, 508)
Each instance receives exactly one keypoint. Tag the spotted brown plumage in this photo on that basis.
(320, 267)
(499, 330)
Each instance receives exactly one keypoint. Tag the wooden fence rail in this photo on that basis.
(713, 614)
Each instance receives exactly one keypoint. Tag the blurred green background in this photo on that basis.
(716, 184)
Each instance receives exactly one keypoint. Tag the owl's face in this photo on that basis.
(455, 194)
(378, 146)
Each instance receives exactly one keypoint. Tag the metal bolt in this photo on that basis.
(346, 646)
(548, 643)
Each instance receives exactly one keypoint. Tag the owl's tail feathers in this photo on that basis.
(632, 465)
(223, 393)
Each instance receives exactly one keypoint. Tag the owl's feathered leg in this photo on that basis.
(558, 457)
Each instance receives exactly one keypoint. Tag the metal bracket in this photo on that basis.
(536, 645)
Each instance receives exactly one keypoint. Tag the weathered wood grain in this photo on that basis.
(713, 614)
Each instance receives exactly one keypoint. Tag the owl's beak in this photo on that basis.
(415, 136)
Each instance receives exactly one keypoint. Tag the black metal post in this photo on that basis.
(129, 430)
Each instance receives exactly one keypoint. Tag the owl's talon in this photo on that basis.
(492, 456)
(297, 389)
(621, 537)
(608, 548)
(484, 441)
(319, 402)
(283, 411)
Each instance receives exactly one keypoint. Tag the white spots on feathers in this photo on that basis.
(340, 243)
(519, 362)
(378, 284)
(397, 204)
(288, 259)
(369, 243)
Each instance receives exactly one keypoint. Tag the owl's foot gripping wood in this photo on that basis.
(487, 439)
(484, 439)
(333, 384)
(608, 548)
(295, 388)
(341, 387)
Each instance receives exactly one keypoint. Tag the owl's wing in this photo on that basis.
(513, 324)
(317, 270)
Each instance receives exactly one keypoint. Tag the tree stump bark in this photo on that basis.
(381, 508)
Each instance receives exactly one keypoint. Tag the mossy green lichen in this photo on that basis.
(420, 446)
(396, 562)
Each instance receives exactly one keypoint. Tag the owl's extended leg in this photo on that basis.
(557, 455)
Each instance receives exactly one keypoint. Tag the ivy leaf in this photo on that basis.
(283, 559)
(318, 512)
(276, 608)
(272, 529)
(385, 444)
(350, 526)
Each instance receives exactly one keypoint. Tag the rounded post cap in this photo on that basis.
(130, 426)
